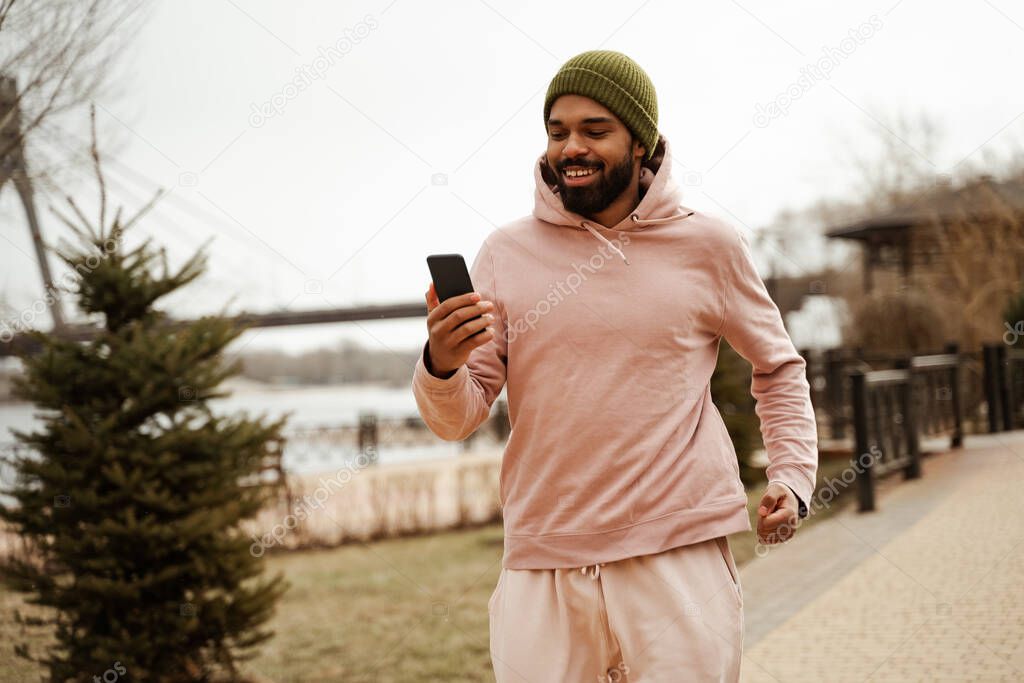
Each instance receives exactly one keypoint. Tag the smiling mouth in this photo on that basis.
(578, 175)
(578, 172)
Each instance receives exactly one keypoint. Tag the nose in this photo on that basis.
(574, 146)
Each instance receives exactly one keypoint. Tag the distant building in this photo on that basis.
(901, 246)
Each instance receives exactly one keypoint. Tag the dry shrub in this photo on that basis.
(906, 321)
(983, 247)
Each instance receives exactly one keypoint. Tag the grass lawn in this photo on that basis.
(412, 609)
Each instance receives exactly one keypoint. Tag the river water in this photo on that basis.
(310, 407)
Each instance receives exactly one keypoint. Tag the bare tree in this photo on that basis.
(54, 56)
(903, 161)
(982, 242)
(967, 233)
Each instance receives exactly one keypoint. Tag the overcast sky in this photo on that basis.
(418, 124)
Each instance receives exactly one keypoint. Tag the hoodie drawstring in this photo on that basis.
(655, 221)
(638, 221)
(597, 570)
(601, 237)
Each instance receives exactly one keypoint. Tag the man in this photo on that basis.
(603, 311)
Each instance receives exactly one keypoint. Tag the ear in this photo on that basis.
(639, 151)
(547, 173)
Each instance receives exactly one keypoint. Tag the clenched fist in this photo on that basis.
(777, 514)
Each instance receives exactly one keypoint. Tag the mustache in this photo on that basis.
(579, 164)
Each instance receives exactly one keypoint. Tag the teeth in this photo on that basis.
(577, 174)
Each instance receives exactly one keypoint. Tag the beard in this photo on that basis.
(588, 200)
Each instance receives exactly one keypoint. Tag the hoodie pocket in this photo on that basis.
(730, 567)
(494, 593)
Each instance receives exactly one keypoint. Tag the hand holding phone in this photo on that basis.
(457, 320)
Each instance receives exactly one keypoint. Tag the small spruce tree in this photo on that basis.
(131, 493)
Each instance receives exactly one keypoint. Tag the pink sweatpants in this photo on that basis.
(674, 616)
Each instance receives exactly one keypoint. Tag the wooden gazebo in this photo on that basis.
(905, 240)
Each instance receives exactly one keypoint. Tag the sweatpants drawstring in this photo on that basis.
(597, 570)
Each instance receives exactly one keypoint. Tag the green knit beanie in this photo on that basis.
(618, 83)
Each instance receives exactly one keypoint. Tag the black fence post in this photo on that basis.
(501, 426)
(957, 396)
(368, 433)
(865, 473)
(834, 392)
(906, 390)
(1005, 386)
(805, 353)
(992, 399)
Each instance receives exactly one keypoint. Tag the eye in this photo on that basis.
(593, 134)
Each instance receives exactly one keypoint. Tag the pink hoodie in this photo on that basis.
(607, 338)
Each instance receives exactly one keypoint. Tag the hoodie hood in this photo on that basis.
(660, 202)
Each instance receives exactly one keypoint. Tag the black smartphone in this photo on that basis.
(451, 277)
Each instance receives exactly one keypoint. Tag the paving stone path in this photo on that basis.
(928, 587)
